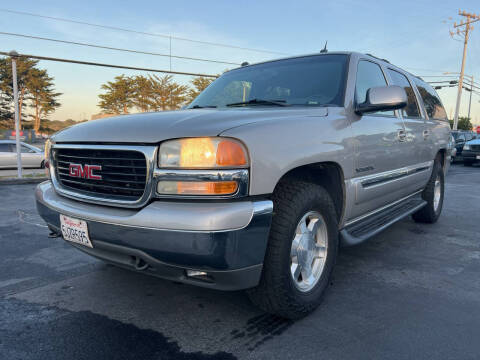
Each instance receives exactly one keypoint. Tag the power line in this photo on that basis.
(139, 32)
(114, 48)
(106, 65)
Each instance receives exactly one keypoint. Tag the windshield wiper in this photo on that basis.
(203, 107)
(260, 102)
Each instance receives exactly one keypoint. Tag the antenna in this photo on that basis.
(324, 50)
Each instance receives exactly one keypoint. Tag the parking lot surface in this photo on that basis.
(412, 292)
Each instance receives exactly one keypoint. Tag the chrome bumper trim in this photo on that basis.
(160, 215)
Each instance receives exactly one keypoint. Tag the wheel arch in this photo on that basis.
(328, 174)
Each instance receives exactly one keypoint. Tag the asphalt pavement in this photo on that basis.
(411, 292)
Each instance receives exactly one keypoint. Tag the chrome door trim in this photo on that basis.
(379, 209)
(150, 153)
(377, 179)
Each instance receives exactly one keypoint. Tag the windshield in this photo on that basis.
(309, 81)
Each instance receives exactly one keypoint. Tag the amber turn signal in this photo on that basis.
(197, 187)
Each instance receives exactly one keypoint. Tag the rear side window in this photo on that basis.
(411, 110)
(431, 101)
(369, 75)
(4, 148)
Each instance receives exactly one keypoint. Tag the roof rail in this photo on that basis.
(376, 57)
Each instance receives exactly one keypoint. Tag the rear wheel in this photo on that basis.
(301, 251)
(433, 195)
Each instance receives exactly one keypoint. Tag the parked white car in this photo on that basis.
(32, 157)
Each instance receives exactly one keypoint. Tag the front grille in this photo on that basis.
(123, 172)
(475, 147)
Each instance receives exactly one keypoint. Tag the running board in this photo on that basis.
(364, 229)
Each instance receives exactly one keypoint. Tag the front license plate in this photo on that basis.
(478, 157)
(75, 230)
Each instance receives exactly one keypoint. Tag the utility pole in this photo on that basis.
(463, 28)
(13, 55)
(470, 102)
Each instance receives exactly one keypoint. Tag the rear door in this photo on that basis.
(416, 152)
(379, 147)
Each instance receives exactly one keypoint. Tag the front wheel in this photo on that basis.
(301, 251)
(433, 194)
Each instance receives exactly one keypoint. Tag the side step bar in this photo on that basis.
(364, 229)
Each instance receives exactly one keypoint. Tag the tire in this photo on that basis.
(42, 164)
(278, 293)
(467, 163)
(431, 212)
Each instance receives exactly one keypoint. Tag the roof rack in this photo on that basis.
(376, 57)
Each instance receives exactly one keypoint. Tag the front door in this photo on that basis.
(379, 147)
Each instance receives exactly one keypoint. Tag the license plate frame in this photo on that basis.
(75, 230)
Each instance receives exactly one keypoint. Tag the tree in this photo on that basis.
(142, 93)
(463, 123)
(167, 94)
(199, 84)
(42, 95)
(119, 95)
(24, 73)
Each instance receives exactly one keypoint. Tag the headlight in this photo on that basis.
(466, 147)
(221, 161)
(206, 153)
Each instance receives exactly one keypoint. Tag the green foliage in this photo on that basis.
(118, 97)
(152, 93)
(199, 84)
(35, 90)
(463, 123)
(167, 94)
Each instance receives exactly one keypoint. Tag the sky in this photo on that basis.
(413, 35)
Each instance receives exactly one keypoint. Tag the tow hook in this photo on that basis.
(54, 234)
(140, 264)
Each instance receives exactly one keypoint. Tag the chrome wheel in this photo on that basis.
(309, 251)
(437, 193)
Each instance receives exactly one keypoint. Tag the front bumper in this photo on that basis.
(470, 155)
(224, 242)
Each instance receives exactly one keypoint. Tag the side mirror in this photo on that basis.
(383, 98)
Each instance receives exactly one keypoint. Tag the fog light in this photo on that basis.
(197, 187)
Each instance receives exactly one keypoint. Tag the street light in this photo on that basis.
(471, 88)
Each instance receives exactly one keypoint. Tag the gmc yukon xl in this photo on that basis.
(257, 183)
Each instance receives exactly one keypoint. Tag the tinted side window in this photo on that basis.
(369, 75)
(411, 110)
(4, 148)
(431, 101)
(25, 149)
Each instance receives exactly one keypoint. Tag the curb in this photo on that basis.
(14, 181)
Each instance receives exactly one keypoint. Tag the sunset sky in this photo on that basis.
(411, 34)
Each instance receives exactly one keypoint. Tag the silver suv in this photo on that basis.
(259, 180)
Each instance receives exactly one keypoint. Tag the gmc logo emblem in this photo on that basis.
(85, 172)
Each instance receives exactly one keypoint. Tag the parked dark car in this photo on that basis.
(461, 137)
(471, 151)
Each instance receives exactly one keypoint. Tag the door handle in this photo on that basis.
(401, 135)
(426, 134)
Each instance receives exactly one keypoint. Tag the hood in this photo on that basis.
(155, 127)
(473, 142)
